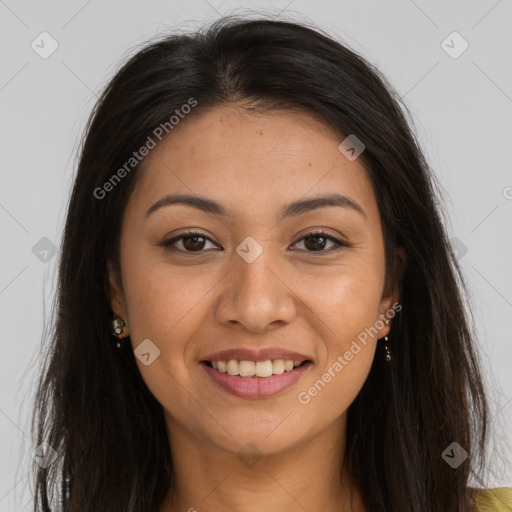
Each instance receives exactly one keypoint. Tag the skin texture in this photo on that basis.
(311, 300)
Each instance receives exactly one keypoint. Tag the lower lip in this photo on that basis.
(256, 387)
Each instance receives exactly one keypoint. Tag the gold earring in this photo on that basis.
(118, 329)
(386, 348)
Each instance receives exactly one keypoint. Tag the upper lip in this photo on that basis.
(263, 354)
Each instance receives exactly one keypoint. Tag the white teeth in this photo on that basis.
(232, 367)
(246, 368)
(255, 368)
(263, 368)
(277, 366)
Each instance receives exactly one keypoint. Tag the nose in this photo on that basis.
(257, 295)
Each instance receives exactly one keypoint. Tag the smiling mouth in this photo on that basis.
(256, 369)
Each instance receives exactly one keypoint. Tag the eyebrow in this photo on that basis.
(291, 210)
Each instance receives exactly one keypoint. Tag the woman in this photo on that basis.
(258, 305)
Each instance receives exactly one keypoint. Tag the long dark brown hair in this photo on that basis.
(92, 405)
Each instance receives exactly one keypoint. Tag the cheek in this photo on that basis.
(346, 300)
(163, 311)
(167, 305)
(162, 297)
(150, 307)
(345, 314)
(332, 390)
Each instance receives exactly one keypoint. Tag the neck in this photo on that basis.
(308, 476)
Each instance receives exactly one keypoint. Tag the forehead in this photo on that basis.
(252, 161)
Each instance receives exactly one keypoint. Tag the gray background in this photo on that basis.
(463, 113)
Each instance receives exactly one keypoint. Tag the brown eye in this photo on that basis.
(190, 242)
(318, 241)
(196, 241)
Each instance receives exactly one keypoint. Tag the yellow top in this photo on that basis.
(493, 500)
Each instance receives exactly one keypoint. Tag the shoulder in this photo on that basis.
(492, 500)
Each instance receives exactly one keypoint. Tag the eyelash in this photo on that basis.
(167, 244)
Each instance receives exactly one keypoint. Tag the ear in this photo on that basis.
(390, 303)
(116, 295)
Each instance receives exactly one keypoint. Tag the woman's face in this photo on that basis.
(253, 279)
